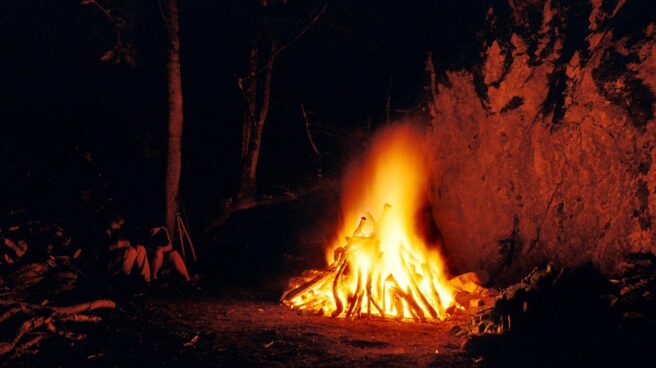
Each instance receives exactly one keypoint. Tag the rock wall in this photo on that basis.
(544, 151)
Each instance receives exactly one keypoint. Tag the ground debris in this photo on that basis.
(20, 322)
(551, 310)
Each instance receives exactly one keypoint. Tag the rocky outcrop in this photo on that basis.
(544, 151)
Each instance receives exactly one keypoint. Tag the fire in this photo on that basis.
(381, 267)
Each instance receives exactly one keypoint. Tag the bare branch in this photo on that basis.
(266, 98)
(309, 133)
(84, 307)
(108, 13)
(300, 34)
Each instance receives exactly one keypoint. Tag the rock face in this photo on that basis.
(544, 151)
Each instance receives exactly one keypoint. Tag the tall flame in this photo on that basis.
(382, 268)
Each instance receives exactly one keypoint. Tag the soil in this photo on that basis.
(196, 328)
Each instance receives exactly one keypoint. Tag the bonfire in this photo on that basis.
(380, 266)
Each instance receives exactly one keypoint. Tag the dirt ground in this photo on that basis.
(200, 329)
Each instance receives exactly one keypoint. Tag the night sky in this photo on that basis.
(72, 124)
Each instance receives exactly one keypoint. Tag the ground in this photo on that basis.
(243, 329)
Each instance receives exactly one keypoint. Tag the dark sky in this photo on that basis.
(59, 102)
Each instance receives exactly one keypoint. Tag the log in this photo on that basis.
(79, 318)
(397, 303)
(46, 316)
(368, 292)
(50, 326)
(356, 296)
(291, 294)
(371, 300)
(436, 296)
(24, 348)
(59, 311)
(84, 307)
(25, 327)
(371, 219)
(339, 306)
(357, 232)
(12, 311)
(415, 288)
(415, 309)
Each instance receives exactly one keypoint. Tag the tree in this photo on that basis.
(120, 14)
(175, 116)
(257, 104)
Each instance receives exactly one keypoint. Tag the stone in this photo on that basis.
(544, 152)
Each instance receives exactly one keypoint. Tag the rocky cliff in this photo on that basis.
(544, 150)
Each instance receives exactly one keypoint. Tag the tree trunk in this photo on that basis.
(251, 99)
(249, 164)
(174, 160)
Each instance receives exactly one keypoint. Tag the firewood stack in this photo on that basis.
(36, 256)
(361, 282)
(24, 325)
(37, 262)
(377, 291)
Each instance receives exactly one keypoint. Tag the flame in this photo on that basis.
(382, 268)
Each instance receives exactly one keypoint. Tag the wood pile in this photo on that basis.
(38, 262)
(24, 325)
(343, 290)
(574, 316)
(36, 256)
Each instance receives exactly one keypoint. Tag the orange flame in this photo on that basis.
(383, 268)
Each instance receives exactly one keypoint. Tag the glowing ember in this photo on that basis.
(381, 268)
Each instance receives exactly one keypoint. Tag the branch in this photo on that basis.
(25, 347)
(307, 130)
(13, 311)
(300, 34)
(108, 14)
(25, 327)
(240, 85)
(266, 95)
(45, 316)
(106, 11)
(84, 307)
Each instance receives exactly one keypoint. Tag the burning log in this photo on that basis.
(332, 269)
(414, 308)
(415, 288)
(356, 299)
(339, 306)
(397, 303)
(364, 269)
(436, 296)
(308, 285)
(370, 299)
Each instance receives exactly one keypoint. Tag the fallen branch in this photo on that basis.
(25, 347)
(85, 307)
(80, 318)
(39, 316)
(25, 327)
(50, 326)
(13, 311)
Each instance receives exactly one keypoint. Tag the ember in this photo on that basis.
(382, 268)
